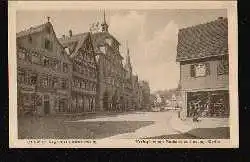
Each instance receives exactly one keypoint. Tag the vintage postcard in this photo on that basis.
(110, 74)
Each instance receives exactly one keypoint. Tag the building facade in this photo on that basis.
(114, 81)
(76, 73)
(84, 76)
(202, 52)
(43, 72)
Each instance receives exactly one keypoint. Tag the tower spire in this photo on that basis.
(104, 24)
(104, 17)
(127, 48)
(128, 62)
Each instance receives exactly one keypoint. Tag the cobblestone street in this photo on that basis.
(110, 126)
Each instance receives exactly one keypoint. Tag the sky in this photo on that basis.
(152, 35)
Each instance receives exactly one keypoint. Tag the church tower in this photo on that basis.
(128, 65)
(104, 24)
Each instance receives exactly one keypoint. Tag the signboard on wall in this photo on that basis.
(200, 70)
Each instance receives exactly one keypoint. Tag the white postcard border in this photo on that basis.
(231, 7)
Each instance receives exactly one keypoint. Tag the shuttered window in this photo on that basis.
(192, 71)
(223, 67)
(207, 69)
(48, 44)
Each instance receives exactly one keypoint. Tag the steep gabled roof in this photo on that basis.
(39, 29)
(74, 43)
(204, 40)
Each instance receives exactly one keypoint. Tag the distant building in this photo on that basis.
(145, 95)
(137, 93)
(202, 52)
(43, 72)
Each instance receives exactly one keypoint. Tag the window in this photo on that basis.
(74, 68)
(21, 55)
(48, 30)
(48, 44)
(64, 84)
(35, 58)
(55, 82)
(30, 39)
(33, 79)
(82, 84)
(65, 67)
(21, 76)
(45, 82)
(223, 67)
(45, 61)
(103, 49)
(28, 57)
(109, 42)
(200, 70)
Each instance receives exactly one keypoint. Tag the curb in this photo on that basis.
(180, 131)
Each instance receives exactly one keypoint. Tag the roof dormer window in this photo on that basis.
(30, 39)
(103, 49)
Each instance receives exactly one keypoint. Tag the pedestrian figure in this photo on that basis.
(196, 111)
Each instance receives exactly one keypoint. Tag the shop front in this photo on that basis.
(208, 103)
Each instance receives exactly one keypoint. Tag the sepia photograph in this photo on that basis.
(141, 75)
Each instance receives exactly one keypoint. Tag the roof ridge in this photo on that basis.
(73, 36)
(202, 24)
(22, 33)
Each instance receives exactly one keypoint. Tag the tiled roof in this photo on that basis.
(38, 29)
(204, 40)
(74, 43)
(33, 29)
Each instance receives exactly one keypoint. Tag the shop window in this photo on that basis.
(200, 70)
(223, 67)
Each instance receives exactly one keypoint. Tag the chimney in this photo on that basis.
(70, 33)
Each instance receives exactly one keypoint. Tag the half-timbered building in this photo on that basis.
(43, 72)
(84, 77)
